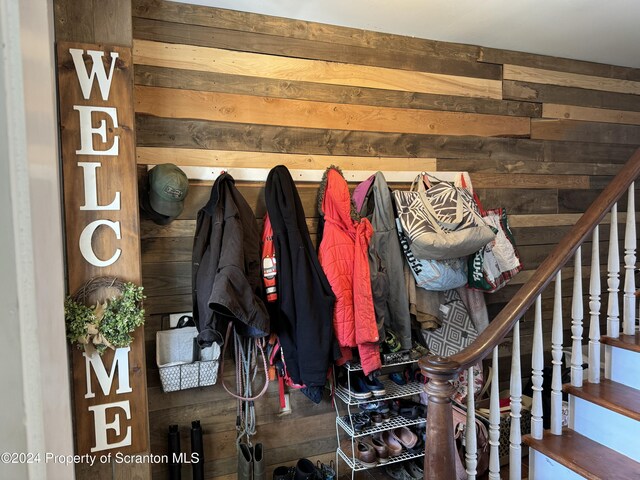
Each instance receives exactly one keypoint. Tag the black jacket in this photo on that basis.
(303, 313)
(227, 283)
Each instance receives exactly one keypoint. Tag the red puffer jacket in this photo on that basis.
(343, 256)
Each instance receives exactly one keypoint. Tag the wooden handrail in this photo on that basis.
(526, 295)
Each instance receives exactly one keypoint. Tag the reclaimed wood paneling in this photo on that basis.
(179, 33)
(231, 158)
(171, 103)
(207, 59)
(199, 134)
(498, 180)
(514, 167)
(182, 133)
(565, 65)
(73, 24)
(228, 83)
(589, 114)
(218, 88)
(566, 79)
(539, 92)
(579, 131)
(290, 28)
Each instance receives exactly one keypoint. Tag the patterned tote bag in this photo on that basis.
(441, 222)
(457, 330)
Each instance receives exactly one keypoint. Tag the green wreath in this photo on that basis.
(107, 324)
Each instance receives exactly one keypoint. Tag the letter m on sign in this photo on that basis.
(97, 71)
(120, 362)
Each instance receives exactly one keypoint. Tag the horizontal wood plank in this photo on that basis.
(233, 158)
(558, 219)
(563, 65)
(520, 201)
(515, 167)
(182, 133)
(221, 82)
(610, 395)
(184, 157)
(539, 92)
(285, 68)
(589, 114)
(582, 455)
(291, 28)
(177, 228)
(181, 33)
(187, 104)
(565, 79)
(168, 304)
(498, 180)
(578, 131)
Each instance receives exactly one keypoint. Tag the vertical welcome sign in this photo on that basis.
(102, 235)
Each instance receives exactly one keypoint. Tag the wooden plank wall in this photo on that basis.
(541, 136)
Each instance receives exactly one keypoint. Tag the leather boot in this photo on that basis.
(305, 470)
(259, 472)
(245, 462)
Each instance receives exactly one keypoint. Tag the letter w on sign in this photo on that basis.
(97, 70)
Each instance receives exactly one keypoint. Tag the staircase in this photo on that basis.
(601, 440)
(604, 419)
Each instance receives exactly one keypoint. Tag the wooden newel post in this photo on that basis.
(439, 460)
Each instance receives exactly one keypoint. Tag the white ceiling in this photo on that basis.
(604, 31)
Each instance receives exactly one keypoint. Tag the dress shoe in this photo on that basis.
(364, 452)
(381, 449)
(404, 436)
(394, 446)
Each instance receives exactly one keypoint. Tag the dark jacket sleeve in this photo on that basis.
(235, 293)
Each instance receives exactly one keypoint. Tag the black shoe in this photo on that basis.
(356, 388)
(283, 473)
(374, 385)
(306, 470)
(359, 421)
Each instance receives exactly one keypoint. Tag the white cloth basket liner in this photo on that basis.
(175, 359)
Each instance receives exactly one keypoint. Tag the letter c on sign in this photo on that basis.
(85, 243)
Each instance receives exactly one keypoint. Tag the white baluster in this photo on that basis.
(537, 364)
(629, 306)
(494, 421)
(471, 455)
(594, 309)
(576, 321)
(556, 355)
(515, 434)
(613, 280)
